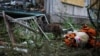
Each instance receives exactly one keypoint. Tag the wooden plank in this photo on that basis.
(33, 17)
(74, 2)
(96, 6)
(25, 18)
(9, 29)
(41, 30)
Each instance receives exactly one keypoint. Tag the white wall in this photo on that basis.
(69, 9)
(80, 11)
(75, 10)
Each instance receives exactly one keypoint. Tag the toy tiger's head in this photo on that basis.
(70, 40)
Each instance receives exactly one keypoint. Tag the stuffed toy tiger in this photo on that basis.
(76, 39)
(84, 37)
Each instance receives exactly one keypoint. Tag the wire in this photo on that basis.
(90, 9)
